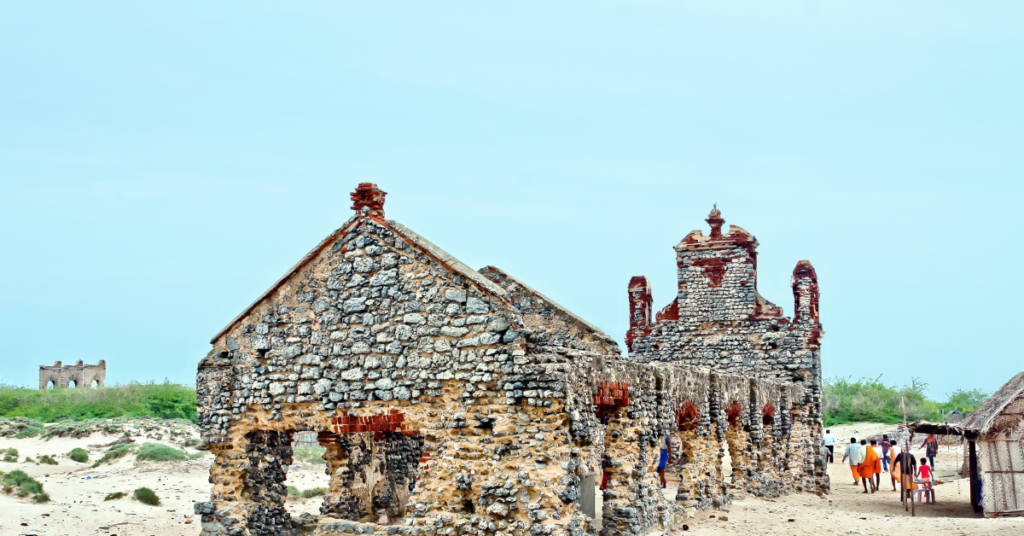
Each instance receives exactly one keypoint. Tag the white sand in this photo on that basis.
(78, 508)
(77, 492)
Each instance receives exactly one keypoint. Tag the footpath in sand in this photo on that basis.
(77, 492)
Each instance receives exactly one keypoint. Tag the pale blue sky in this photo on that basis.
(163, 163)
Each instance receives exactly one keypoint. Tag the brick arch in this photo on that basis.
(733, 413)
(687, 417)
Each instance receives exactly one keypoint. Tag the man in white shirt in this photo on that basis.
(830, 444)
(855, 456)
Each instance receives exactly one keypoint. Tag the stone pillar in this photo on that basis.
(639, 309)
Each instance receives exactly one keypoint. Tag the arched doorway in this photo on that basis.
(768, 415)
(95, 384)
(49, 385)
(72, 384)
(686, 462)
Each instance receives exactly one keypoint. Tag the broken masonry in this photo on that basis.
(460, 402)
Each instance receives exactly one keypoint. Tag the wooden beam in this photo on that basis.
(972, 463)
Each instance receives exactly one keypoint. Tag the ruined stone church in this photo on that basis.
(454, 401)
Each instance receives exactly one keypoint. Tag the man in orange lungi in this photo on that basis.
(853, 454)
(867, 466)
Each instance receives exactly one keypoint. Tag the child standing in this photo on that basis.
(925, 472)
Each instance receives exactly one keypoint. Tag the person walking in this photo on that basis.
(867, 466)
(665, 444)
(886, 446)
(853, 454)
(830, 444)
(931, 448)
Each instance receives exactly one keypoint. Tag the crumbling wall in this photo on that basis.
(376, 320)
(462, 403)
(719, 321)
(81, 374)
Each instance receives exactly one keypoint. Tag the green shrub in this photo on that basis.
(147, 496)
(114, 496)
(164, 401)
(79, 455)
(23, 485)
(157, 452)
(47, 459)
(845, 401)
(33, 429)
(115, 452)
(313, 492)
(306, 493)
(192, 442)
(10, 455)
(309, 453)
(28, 459)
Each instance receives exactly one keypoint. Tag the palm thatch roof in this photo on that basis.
(983, 419)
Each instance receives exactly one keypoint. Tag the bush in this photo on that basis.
(306, 493)
(309, 453)
(146, 495)
(845, 401)
(157, 452)
(313, 492)
(114, 496)
(24, 485)
(33, 429)
(47, 459)
(10, 455)
(164, 401)
(115, 452)
(79, 455)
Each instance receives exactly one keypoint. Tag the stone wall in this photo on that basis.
(452, 401)
(719, 321)
(77, 375)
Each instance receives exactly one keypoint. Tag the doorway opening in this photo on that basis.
(307, 476)
(373, 465)
(72, 384)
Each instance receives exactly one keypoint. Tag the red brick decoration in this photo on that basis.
(716, 221)
(368, 195)
(733, 413)
(612, 395)
(388, 422)
(768, 413)
(714, 270)
(687, 417)
(639, 309)
(670, 312)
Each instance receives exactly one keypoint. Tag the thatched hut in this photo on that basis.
(997, 450)
(995, 453)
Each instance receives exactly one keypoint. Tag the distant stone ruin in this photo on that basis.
(77, 375)
(455, 402)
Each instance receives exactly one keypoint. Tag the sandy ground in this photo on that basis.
(847, 510)
(77, 492)
(78, 508)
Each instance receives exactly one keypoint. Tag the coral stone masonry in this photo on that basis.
(78, 375)
(452, 401)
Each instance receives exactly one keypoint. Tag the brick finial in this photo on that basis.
(716, 221)
(368, 195)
